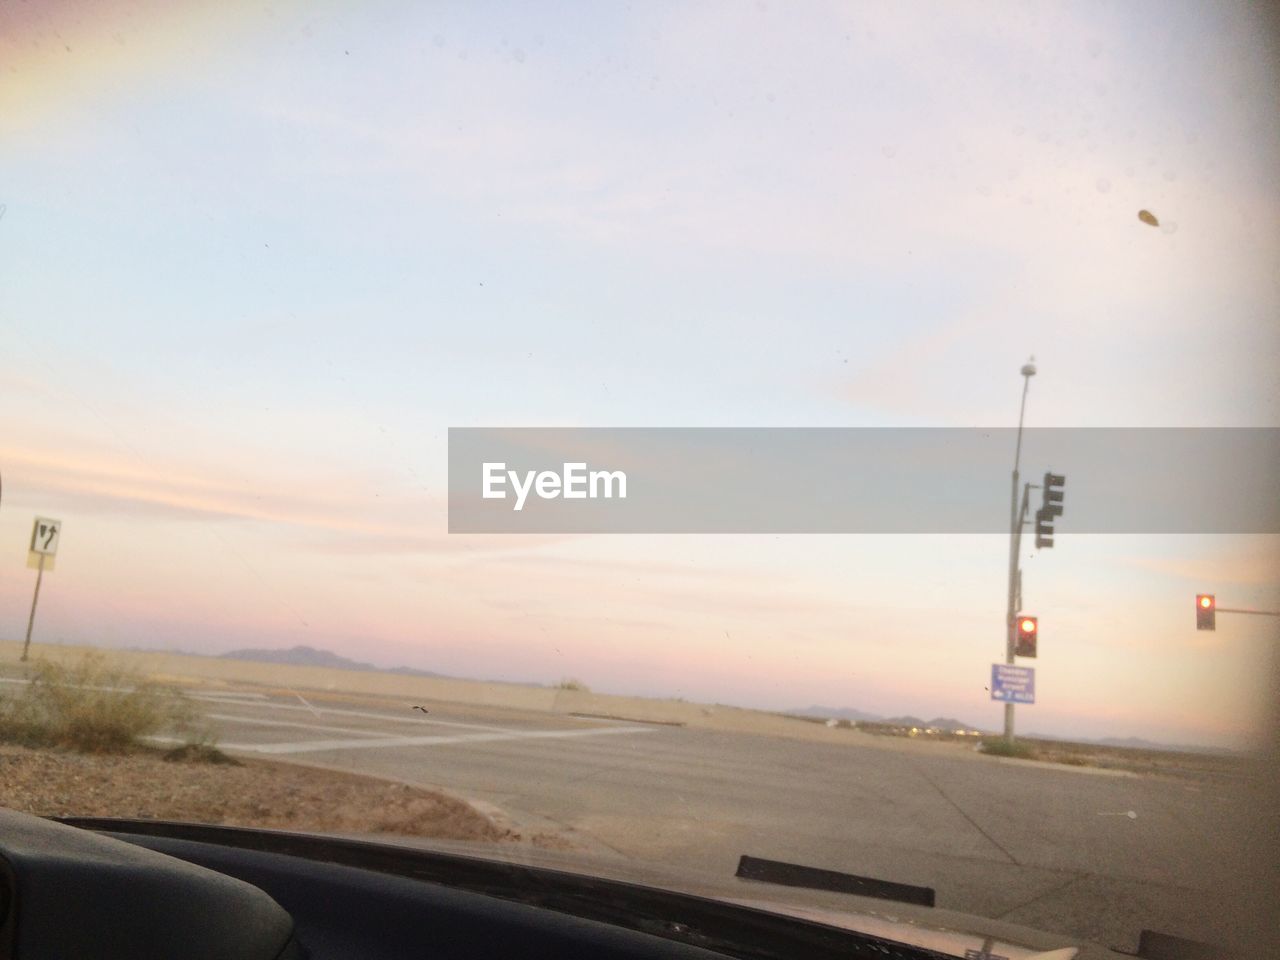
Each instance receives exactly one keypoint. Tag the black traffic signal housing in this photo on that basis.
(1206, 611)
(1044, 530)
(1050, 509)
(1025, 632)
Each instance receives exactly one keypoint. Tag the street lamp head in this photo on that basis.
(1028, 369)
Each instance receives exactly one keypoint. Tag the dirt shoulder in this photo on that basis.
(253, 793)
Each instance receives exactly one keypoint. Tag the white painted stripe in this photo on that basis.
(418, 719)
(315, 746)
(219, 697)
(262, 722)
(74, 686)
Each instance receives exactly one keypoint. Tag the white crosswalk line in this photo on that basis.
(315, 746)
(262, 722)
(418, 719)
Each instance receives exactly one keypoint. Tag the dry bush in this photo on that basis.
(1000, 747)
(91, 707)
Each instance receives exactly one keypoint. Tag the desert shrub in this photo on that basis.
(92, 707)
(199, 752)
(1000, 747)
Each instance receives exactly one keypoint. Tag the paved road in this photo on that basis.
(1048, 848)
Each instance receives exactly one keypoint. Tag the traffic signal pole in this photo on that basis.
(1015, 544)
(1207, 611)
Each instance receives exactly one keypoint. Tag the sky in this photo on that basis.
(257, 258)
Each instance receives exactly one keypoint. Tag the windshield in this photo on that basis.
(643, 436)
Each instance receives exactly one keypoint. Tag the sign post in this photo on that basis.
(45, 534)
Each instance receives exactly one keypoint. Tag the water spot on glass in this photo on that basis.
(1103, 185)
(889, 152)
(1019, 130)
(438, 40)
(517, 55)
(1129, 171)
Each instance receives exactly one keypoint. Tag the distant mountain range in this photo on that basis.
(951, 724)
(311, 657)
(835, 713)
(848, 713)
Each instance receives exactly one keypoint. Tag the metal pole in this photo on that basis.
(1015, 536)
(1256, 613)
(34, 600)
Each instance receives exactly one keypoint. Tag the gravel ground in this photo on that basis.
(254, 793)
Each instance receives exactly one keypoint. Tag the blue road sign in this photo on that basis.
(1010, 684)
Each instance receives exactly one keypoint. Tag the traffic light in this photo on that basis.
(1050, 509)
(1044, 529)
(1026, 630)
(1206, 611)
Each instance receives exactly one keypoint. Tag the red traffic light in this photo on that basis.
(1206, 612)
(1026, 630)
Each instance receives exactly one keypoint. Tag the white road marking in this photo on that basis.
(227, 694)
(306, 703)
(258, 722)
(315, 746)
(417, 719)
(215, 695)
(230, 698)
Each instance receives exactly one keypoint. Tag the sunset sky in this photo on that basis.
(256, 259)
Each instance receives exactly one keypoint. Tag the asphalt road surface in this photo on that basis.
(1050, 848)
